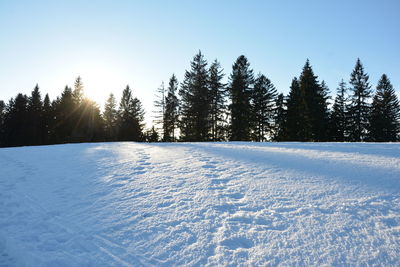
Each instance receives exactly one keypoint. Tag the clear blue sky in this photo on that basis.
(141, 43)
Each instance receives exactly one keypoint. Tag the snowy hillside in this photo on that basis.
(130, 204)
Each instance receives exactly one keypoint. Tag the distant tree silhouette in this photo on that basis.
(240, 87)
(359, 107)
(298, 123)
(263, 99)
(130, 117)
(217, 99)
(195, 105)
(159, 112)
(385, 113)
(2, 115)
(280, 118)
(171, 115)
(339, 123)
(35, 123)
(16, 121)
(110, 116)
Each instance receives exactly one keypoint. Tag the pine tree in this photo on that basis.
(2, 115)
(316, 101)
(159, 113)
(171, 110)
(131, 117)
(263, 100)
(35, 122)
(385, 113)
(15, 121)
(240, 87)
(64, 109)
(280, 118)
(359, 106)
(195, 106)
(339, 124)
(48, 121)
(217, 91)
(110, 116)
(298, 123)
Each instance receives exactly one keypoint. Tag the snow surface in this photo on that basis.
(135, 204)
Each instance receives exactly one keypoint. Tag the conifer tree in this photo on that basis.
(217, 102)
(48, 121)
(15, 121)
(263, 100)
(240, 87)
(385, 113)
(64, 109)
(131, 117)
(359, 107)
(110, 116)
(195, 106)
(2, 115)
(316, 101)
(159, 113)
(339, 117)
(171, 110)
(298, 123)
(280, 118)
(35, 123)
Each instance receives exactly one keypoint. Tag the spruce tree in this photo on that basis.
(339, 124)
(217, 96)
(2, 115)
(385, 113)
(240, 87)
(110, 116)
(131, 117)
(316, 101)
(35, 123)
(195, 106)
(16, 121)
(263, 100)
(159, 112)
(48, 121)
(64, 109)
(359, 107)
(171, 110)
(280, 118)
(298, 123)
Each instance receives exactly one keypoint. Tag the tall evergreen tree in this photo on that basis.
(195, 106)
(110, 116)
(64, 109)
(359, 103)
(298, 123)
(131, 117)
(385, 113)
(35, 123)
(2, 115)
(339, 124)
(16, 121)
(159, 112)
(240, 88)
(171, 110)
(48, 121)
(280, 118)
(263, 100)
(316, 101)
(217, 96)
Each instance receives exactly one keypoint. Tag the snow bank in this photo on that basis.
(131, 204)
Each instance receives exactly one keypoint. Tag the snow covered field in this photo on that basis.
(131, 204)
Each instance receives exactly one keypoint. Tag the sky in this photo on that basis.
(111, 44)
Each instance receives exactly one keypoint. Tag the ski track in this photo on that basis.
(212, 204)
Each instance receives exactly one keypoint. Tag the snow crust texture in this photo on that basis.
(208, 204)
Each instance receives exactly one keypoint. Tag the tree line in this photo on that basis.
(204, 108)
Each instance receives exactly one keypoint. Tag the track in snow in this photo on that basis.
(200, 204)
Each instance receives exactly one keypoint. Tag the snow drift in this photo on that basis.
(135, 204)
